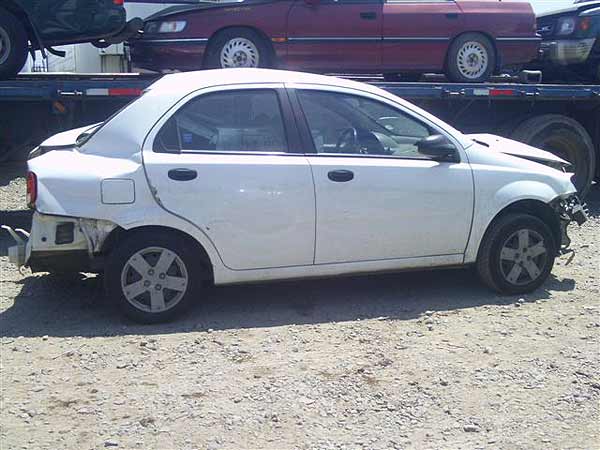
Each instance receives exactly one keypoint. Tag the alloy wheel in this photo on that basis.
(239, 52)
(523, 257)
(154, 279)
(472, 60)
(5, 46)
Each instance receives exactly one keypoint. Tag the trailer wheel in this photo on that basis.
(565, 138)
(13, 45)
(238, 47)
(471, 59)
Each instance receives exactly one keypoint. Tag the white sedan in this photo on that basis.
(245, 175)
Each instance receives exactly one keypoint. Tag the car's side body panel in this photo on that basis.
(394, 208)
(416, 36)
(70, 184)
(336, 36)
(340, 34)
(258, 210)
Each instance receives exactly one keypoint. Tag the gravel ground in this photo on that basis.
(419, 360)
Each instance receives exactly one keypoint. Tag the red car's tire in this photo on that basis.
(13, 45)
(238, 47)
(471, 59)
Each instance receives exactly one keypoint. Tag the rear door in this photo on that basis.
(223, 161)
(417, 33)
(335, 35)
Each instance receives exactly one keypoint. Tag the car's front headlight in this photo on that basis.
(566, 26)
(170, 26)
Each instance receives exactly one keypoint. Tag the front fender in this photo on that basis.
(504, 197)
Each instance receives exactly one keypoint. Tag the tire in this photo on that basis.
(496, 259)
(238, 47)
(13, 45)
(565, 138)
(471, 48)
(145, 250)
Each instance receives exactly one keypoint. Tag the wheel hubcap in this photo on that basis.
(523, 257)
(239, 52)
(4, 45)
(154, 279)
(472, 60)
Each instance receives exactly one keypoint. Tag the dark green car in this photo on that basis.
(40, 24)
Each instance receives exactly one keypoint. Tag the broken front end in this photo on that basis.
(568, 209)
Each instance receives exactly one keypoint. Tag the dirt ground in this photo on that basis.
(417, 360)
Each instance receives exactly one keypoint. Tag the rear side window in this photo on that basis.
(231, 121)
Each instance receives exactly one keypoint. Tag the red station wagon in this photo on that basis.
(469, 40)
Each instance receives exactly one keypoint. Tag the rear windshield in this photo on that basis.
(90, 132)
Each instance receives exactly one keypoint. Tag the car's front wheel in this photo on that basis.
(238, 47)
(13, 45)
(517, 254)
(153, 276)
(471, 59)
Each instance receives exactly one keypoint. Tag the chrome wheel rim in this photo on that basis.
(472, 60)
(523, 257)
(154, 279)
(239, 52)
(4, 45)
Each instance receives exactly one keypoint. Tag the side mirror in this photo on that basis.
(312, 3)
(437, 147)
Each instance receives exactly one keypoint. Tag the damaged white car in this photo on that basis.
(245, 175)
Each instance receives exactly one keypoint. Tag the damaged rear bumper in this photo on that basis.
(58, 243)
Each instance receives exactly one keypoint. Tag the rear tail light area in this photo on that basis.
(32, 189)
(118, 2)
(585, 24)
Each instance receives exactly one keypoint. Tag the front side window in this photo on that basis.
(231, 121)
(349, 124)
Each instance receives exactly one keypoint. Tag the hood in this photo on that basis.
(200, 5)
(515, 148)
(582, 6)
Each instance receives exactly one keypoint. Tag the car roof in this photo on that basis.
(193, 81)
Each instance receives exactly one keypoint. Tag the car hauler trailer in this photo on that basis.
(564, 119)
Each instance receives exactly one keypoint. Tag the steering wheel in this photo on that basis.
(348, 141)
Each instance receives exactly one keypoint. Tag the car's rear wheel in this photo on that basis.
(517, 254)
(153, 277)
(471, 59)
(13, 45)
(565, 138)
(238, 47)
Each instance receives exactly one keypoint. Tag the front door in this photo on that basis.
(222, 161)
(377, 197)
(335, 35)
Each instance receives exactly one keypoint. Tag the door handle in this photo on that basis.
(340, 176)
(368, 15)
(452, 15)
(182, 174)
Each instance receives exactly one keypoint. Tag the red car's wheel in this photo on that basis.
(238, 47)
(13, 45)
(471, 59)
